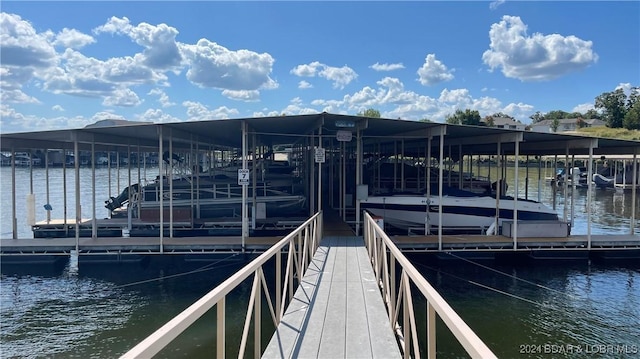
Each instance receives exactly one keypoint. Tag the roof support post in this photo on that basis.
(633, 191)
(515, 197)
(440, 189)
(76, 154)
(589, 194)
(161, 185)
(359, 175)
(14, 215)
(498, 186)
(245, 221)
(170, 179)
(94, 225)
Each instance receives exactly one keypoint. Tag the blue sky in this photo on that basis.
(69, 64)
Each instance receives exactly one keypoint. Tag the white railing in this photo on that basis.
(300, 246)
(385, 258)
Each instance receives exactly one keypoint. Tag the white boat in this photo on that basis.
(461, 211)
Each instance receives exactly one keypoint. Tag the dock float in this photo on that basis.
(337, 311)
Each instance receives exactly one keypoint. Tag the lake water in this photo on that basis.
(528, 309)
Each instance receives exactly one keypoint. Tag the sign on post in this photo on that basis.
(320, 155)
(243, 176)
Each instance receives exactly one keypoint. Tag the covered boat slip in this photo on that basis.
(338, 160)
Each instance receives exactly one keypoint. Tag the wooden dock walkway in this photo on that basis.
(338, 311)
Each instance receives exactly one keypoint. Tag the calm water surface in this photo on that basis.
(524, 310)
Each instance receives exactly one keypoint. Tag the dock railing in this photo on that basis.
(398, 297)
(300, 246)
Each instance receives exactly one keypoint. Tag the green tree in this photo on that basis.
(370, 112)
(425, 120)
(592, 114)
(502, 115)
(557, 114)
(580, 122)
(631, 119)
(466, 117)
(537, 117)
(613, 107)
(555, 124)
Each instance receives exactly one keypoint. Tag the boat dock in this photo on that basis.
(337, 311)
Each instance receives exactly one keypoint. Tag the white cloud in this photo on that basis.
(199, 112)
(122, 97)
(537, 57)
(160, 47)
(386, 67)
(157, 116)
(163, 98)
(57, 108)
(86, 76)
(21, 45)
(214, 66)
(494, 4)
(304, 85)
(23, 52)
(16, 96)
(340, 76)
(583, 107)
(433, 71)
(242, 95)
(72, 38)
(14, 121)
(307, 70)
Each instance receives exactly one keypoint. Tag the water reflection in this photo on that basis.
(554, 304)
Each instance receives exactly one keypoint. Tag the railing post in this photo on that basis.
(220, 329)
(279, 286)
(406, 333)
(431, 331)
(257, 315)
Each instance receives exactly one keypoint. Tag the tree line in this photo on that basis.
(615, 108)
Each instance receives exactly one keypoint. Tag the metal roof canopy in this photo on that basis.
(476, 140)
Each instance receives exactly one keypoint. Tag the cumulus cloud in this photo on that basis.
(14, 121)
(23, 53)
(242, 95)
(90, 77)
(537, 57)
(214, 66)
(21, 45)
(122, 97)
(16, 96)
(386, 67)
(433, 71)
(307, 70)
(199, 112)
(163, 98)
(160, 47)
(156, 116)
(57, 108)
(72, 38)
(340, 76)
(304, 85)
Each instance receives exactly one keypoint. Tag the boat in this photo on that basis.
(211, 194)
(607, 178)
(462, 211)
(206, 198)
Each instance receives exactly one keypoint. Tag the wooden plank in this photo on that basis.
(284, 340)
(339, 322)
(358, 341)
(333, 341)
(384, 345)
